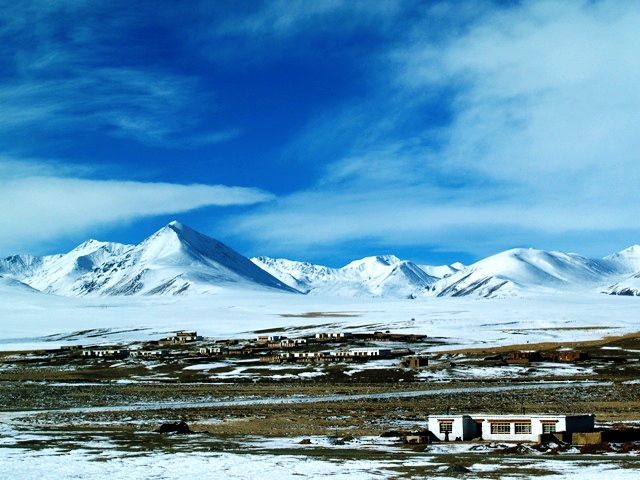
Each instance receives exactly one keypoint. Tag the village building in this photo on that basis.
(517, 428)
(180, 338)
(163, 352)
(415, 361)
(269, 338)
(568, 356)
(367, 352)
(278, 358)
(327, 356)
(295, 342)
(216, 350)
(106, 353)
(525, 357)
(67, 348)
(328, 336)
(417, 437)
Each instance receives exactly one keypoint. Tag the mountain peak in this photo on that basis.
(185, 235)
(177, 226)
(375, 261)
(627, 260)
(173, 261)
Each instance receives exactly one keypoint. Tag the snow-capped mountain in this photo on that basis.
(626, 261)
(441, 271)
(513, 272)
(175, 260)
(379, 276)
(521, 270)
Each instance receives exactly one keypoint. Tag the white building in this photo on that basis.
(106, 353)
(293, 342)
(333, 335)
(370, 352)
(217, 350)
(524, 428)
(150, 353)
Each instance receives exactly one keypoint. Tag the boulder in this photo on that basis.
(178, 427)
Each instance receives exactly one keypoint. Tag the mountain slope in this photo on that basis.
(626, 261)
(175, 260)
(379, 276)
(11, 285)
(629, 286)
(442, 271)
(519, 270)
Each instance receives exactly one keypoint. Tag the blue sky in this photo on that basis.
(322, 130)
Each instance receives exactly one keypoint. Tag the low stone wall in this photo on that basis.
(611, 436)
(589, 438)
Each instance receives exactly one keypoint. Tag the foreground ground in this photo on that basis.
(65, 417)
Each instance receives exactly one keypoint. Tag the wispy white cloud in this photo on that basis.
(541, 140)
(547, 100)
(275, 29)
(66, 68)
(284, 18)
(39, 208)
(126, 102)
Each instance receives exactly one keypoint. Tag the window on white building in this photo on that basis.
(446, 427)
(523, 428)
(500, 428)
(548, 428)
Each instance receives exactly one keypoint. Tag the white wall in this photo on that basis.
(457, 426)
(465, 426)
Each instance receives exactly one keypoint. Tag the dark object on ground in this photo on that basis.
(596, 448)
(178, 427)
(305, 441)
(457, 469)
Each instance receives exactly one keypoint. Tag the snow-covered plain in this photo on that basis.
(33, 320)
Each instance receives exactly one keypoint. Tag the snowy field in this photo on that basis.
(373, 458)
(31, 320)
(36, 321)
(81, 464)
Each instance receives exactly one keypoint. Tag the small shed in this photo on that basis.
(417, 361)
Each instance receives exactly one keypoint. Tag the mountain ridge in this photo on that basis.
(177, 260)
(174, 260)
(375, 276)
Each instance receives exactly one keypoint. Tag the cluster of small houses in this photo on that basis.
(180, 338)
(576, 429)
(281, 349)
(287, 350)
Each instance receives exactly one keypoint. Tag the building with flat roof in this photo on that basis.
(526, 428)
